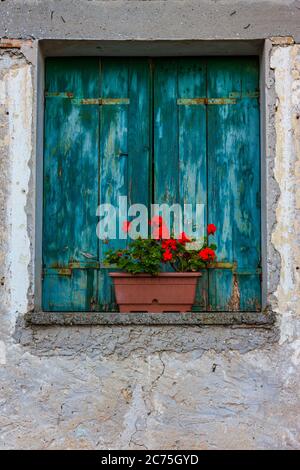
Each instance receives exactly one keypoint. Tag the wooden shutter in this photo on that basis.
(166, 131)
(71, 168)
(233, 152)
(180, 160)
(97, 148)
(207, 150)
(124, 148)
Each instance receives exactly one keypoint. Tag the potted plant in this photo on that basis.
(143, 287)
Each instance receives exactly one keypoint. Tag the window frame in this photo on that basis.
(47, 48)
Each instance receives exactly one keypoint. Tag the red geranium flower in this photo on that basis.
(126, 226)
(211, 229)
(207, 254)
(183, 239)
(156, 220)
(167, 255)
(170, 244)
(160, 230)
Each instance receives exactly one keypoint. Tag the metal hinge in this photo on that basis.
(232, 99)
(195, 101)
(222, 265)
(57, 94)
(241, 271)
(79, 101)
(100, 101)
(68, 268)
(238, 95)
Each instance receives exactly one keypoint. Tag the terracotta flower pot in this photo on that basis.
(166, 292)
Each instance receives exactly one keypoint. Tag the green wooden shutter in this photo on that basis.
(71, 167)
(207, 150)
(234, 182)
(180, 161)
(97, 148)
(124, 148)
(100, 123)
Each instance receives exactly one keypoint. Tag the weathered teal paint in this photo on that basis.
(161, 130)
(70, 183)
(180, 139)
(124, 148)
(95, 150)
(233, 149)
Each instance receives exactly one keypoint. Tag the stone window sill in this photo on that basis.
(254, 319)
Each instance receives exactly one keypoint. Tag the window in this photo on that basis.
(164, 130)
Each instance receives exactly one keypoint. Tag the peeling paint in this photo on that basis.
(234, 302)
(18, 97)
(167, 386)
(286, 62)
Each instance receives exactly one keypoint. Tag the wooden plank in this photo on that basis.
(166, 151)
(70, 181)
(247, 230)
(192, 149)
(69, 293)
(165, 135)
(180, 140)
(113, 160)
(233, 183)
(125, 147)
(139, 133)
(222, 77)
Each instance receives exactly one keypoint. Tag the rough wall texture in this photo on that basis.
(148, 387)
(150, 19)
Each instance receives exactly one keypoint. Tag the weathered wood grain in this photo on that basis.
(162, 130)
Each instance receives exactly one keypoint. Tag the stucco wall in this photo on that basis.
(150, 19)
(150, 387)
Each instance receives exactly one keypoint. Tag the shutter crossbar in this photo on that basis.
(232, 99)
(79, 101)
(205, 101)
(100, 101)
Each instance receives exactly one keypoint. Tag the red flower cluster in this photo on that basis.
(207, 254)
(169, 244)
(211, 229)
(159, 228)
(160, 232)
(183, 239)
(147, 254)
(167, 255)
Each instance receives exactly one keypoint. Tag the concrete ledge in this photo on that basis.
(255, 319)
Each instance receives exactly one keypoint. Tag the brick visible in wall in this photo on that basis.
(282, 40)
(14, 43)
